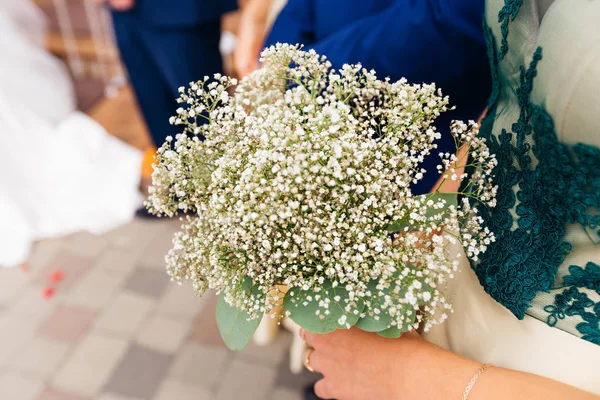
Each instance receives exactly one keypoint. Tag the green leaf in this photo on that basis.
(383, 324)
(373, 322)
(384, 321)
(235, 325)
(303, 307)
(391, 333)
(450, 199)
(396, 331)
(398, 226)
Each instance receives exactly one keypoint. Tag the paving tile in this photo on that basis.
(134, 236)
(163, 333)
(286, 394)
(139, 374)
(182, 301)
(271, 354)
(12, 282)
(90, 365)
(252, 381)
(154, 255)
(205, 329)
(110, 396)
(15, 332)
(67, 323)
(32, 305)
(17, 387)
(296, 382)
(73, 266)
(53, 394)
(86, 244)
(201, 365)
(125, 314)
(117, 262)
(40, 357)
(95, 289)
(174, 390)
(148, 282)
(44, 251)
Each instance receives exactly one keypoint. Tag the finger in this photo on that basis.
(312, 339)
(251, 36)
(302, 334)
(309, 338)
(246, 57)
(307, 360)
(318, 361)
(121, 5)
(324, 390)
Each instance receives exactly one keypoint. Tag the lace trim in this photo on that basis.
(507, 13)
(574, 303)
(557, 185)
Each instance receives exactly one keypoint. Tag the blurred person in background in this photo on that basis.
(422, 41)
(165, 45)
(60, 171)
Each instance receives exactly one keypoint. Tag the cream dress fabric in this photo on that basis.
(568, 86)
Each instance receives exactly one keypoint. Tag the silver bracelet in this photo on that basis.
(474, 380)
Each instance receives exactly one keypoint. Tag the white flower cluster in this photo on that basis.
(302, 175)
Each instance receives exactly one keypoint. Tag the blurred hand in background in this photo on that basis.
(118, 5)
(251, 36)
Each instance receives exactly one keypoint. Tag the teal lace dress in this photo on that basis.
(533, 301)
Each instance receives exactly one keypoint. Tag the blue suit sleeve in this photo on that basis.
(425, 41)
(295, 24)
(421, 40)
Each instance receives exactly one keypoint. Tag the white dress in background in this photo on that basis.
(60, 172)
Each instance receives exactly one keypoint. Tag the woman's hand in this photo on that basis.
(358, 365)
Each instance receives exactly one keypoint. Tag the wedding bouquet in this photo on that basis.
(298, 194)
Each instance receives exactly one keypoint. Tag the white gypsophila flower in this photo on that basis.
(301, 173)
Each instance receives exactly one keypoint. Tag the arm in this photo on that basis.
(414, 39)
(411, 38)
(361, 365)
(250, 36)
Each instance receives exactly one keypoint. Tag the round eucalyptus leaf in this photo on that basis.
(391, 333)
(304, 307)
(235, 325)
(374, 321)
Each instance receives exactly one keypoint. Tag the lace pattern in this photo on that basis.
(543, 185)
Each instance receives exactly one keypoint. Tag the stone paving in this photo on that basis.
(115, 328)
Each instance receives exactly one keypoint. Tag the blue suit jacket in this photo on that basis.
(182, 12)
(427, 41)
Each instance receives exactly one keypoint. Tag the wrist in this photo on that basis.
(459, 372)
(441, 374)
